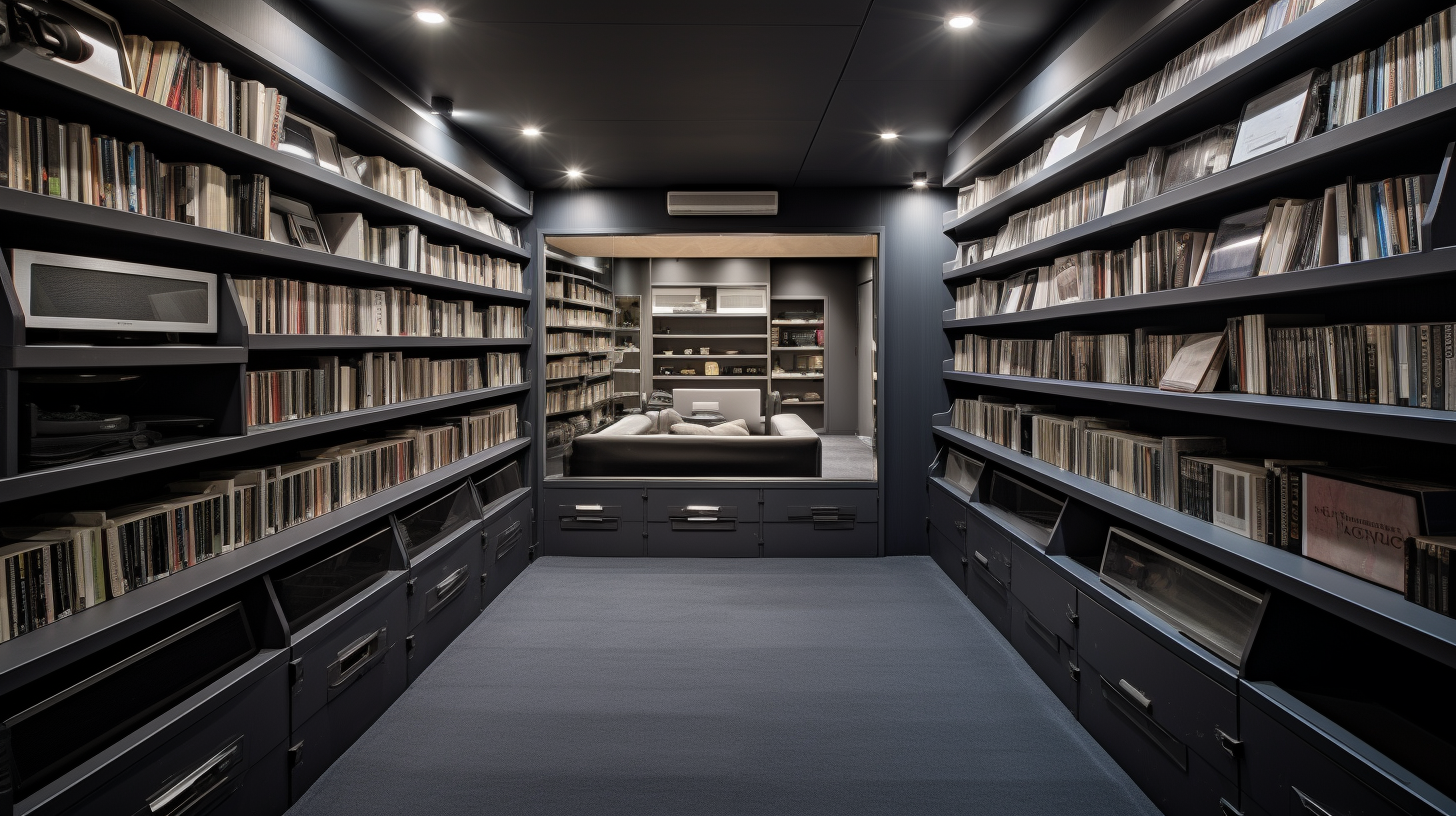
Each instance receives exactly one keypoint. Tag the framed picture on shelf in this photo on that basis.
(313, 143)
(308, 234)
(297, 222)
(1277, 118)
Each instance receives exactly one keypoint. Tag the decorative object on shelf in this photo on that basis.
(688, 372)
(705, 351)
(710, 368)
(303, 228)
(311, 142)
(72, 33)
(665, 371)
(812, 396)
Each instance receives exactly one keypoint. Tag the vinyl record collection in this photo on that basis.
(331, 385)
(404, 247)
(168, 74)
(62, 159)
(577, 397)
(570, 341)
(67, 562)
(578, 291)
(1408, 66)
(283, 306)
(1175, 362)
(568, 316)
(577, 367)
(1373, 526)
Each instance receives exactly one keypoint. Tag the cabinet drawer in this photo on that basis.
(989, 593)
(948, 556)
(619, 539)
(1288, 777)
(445, 574)
(1051, 657)
(326, 735)
(799, 505)
(625, 505)
(1179, 781)
(739, 541)
(947, 514)
(505, 549)
(1047, 595)
(802, 539)
(222, 748)
(1181, 700)
(677, 502)
(989, 545)
(350, 646)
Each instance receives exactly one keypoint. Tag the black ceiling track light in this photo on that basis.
(442, 106)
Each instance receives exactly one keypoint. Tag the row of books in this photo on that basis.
(568, 316)
(64, 563)
(577, 397)
(1356, 521)
(283, 306)
(167, 73)
(576, 290)
(1411, 64)
(62, 159)
(1405, 364)
(570, 341)
(564, 367)
(403, 247)
(332, 385)
(1241, 31)
(1352, 221)
(1173, 362)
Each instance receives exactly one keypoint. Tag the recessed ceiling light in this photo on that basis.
(573, 173)
(431, 17)
(531, 132)
(918, 179)
(960, 21)
(889, 135)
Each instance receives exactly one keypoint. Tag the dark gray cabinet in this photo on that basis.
(988, 571)
(348, 667)
(1053, 659)
(950, 556)
(593, 522)
(947, 513)
(703, 522)
(444, 592)
(505, 548)
(815, 523)
(220, 751)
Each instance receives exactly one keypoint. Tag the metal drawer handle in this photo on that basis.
(358, 656)
(1042, 631)
(446, 590)
(960, 526)
(588, 508)
(702, 508)
(1071, 616)
(196, 785)
(1137, 696)
(1311, 805)
(982, 559)
(597, 519)
(507, 540)
(701, 518)
(1231, 746)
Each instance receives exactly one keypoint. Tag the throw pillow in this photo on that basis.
(667, 419)
(654, 428)
(738, 427)
(689, 429)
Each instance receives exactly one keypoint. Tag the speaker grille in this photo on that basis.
(62, 291)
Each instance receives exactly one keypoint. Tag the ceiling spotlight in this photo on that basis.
(960, 21)
(573, 173)
(442, 106)
(889, 135)
(919, 179)
(531, 132)
(431, 17)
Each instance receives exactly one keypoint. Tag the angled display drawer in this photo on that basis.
(508, 536)
(347, 612)
(1012, 509)
(706, 522)
(594, 521)
(815, 523)
(1338, 719)
(441, 537)
(950, 487)
(189, 715)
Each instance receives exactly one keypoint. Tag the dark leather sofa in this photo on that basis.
(645, 455)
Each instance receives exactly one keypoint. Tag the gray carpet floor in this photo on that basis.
(637, 686)
(846, 457)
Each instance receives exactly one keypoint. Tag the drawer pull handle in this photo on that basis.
(203, 780)
(590, 519)
(1071, 616)
(1311, 805)
(1232, 747)
(1137, 696)
(357, 657)
(983, 560)
(701, 508)
(446, 590)
(960, 526)
(1227, 809)
(507, 540)
(1075, 671)
(701, 518)
(588, 508)
(1118, 698)
(1040, 630)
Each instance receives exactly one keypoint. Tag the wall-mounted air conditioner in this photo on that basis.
(724, 203)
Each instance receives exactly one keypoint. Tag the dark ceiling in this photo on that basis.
(660, 93)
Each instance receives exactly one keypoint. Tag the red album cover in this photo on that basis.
(1358, 529)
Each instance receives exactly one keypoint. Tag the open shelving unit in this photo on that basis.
(206, 376)
(1010, 573)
